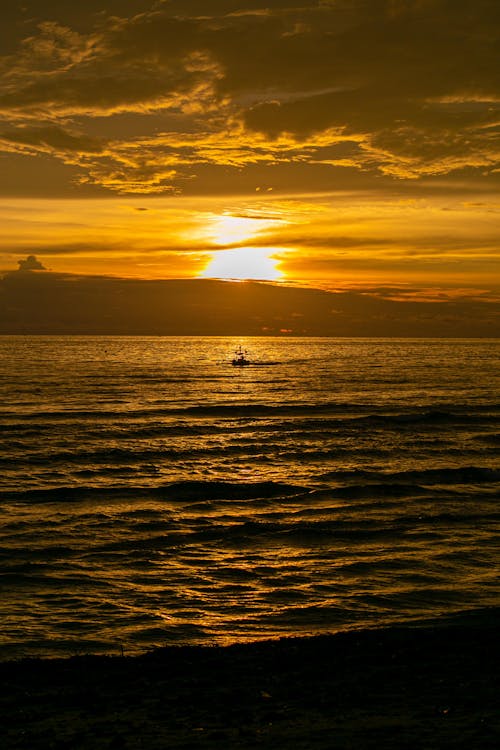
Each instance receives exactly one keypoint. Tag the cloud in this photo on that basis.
(31, 264)
(49, 139)
(62, 303)
(145, 63)
(400, 89)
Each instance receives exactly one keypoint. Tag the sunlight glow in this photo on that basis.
(243, 263)
(231, 230)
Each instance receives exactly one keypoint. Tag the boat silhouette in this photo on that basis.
(240, 358)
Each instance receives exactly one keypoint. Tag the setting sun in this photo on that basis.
(231, 230)
(243, 263)
(257, 263)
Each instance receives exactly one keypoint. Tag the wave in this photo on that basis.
(344, 484)
(130, 458)
(442, 475)
(339, 408)
(250, 430)
(187, 490)
(299, 534)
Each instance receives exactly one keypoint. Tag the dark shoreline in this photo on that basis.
(434, 686)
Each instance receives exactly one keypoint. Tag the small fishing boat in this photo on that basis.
(240, 358)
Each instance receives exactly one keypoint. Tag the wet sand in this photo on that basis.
(427, 688)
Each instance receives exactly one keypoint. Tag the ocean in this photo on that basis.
(153, 494)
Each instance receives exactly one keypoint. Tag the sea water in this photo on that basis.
(151, 493)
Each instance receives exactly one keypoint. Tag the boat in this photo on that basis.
(240, 358)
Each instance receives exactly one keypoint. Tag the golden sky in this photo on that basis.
(340, 144)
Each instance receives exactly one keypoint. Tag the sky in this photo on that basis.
(333, 145)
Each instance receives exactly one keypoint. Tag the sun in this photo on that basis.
(227, 229)
(240, 263)
(225, 232)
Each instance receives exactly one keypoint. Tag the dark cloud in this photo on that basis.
(412, 85)
(58, 304)
(53, 138)
(31, 264)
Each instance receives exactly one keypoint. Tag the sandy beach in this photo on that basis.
(422, 687)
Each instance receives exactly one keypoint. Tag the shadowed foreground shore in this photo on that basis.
(432, 687)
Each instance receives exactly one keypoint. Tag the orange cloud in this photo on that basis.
(388, 79)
